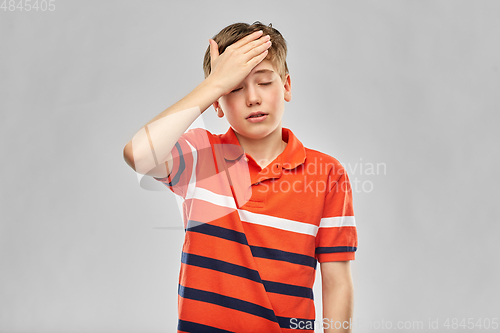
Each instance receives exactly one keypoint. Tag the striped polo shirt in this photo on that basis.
(253, 236)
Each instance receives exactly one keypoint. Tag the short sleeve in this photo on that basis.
(189, 151)
(337, 238)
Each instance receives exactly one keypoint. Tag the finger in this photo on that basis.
(245, 40)
(214, 50)
(256, 51)
(254, 44)
(258, 59)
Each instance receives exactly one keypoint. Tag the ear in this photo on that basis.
(288, 88)
(218, 109)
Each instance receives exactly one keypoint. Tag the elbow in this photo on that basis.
(128, 155)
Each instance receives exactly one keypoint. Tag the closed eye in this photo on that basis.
(265, 83)
(235, 90)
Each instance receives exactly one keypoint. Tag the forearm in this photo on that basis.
(338, 296)
(338, 307)
(152, 144)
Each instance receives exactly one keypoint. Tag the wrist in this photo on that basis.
(215, 86)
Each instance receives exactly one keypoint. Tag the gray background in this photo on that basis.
(411, 85)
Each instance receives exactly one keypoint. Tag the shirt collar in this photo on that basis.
(293, 155)
(231, 147)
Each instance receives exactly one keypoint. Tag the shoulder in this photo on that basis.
(198, 132)
(326, 162)
(199, 137)
(325, 168)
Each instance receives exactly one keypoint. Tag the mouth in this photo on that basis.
(257, 114)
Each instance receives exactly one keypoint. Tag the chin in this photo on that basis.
(259, 133)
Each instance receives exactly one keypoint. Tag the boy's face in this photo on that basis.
(263, 91)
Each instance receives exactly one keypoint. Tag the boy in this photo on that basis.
(259, 208)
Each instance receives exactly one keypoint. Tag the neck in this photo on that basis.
(266, 149)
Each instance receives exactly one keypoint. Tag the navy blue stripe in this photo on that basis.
(287, 289)
(189, 326)
(257, 251)
(296, 323)
(182, 166)
(220, 266)
(335, 249)
(274, 254)
(220, 232)
(227, 302)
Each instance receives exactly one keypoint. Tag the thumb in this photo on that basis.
(214, 49)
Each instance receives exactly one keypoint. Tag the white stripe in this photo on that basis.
(270, 221)
(279, 223)
(214, 198)
(338, 221)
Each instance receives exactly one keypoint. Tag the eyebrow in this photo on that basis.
(261, 71)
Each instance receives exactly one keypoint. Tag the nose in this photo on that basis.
(252, 96)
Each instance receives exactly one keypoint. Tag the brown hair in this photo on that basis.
(234, 32)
